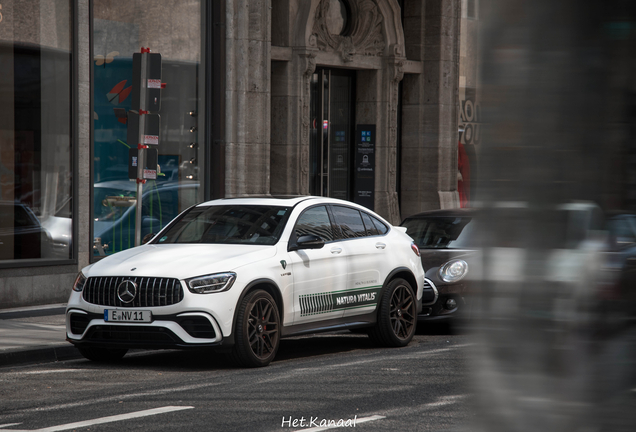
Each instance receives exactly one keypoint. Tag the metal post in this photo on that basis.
(141, 154)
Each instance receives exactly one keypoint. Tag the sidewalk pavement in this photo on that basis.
(34, 335)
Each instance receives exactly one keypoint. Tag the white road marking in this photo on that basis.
(358, 421)
(9, 424)
(405, 356)
(444, 400)
(46, 371)
(120, 397)
(102, 420)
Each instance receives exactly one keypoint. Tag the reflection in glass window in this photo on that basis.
(380, 226)
(229, 224)
(369, 225)
(120, 29)
(350, 222)
(115, 202)
(315, 221)
(439, 232)
(35, 131)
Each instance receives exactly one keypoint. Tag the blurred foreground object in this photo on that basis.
(555, 310)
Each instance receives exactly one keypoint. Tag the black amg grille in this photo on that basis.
(134, 335)
(150, 291)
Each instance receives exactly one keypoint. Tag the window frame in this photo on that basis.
(293, 239)
(73, 154)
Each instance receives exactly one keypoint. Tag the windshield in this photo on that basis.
(439, 232)
(229, 224)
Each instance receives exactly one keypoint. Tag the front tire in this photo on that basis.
(102, 354)
(257, 330)
(397, 315)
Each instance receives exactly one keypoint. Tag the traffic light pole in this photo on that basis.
(141, 153)
(144, 124)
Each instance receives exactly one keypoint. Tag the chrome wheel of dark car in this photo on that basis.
(397, 316)
(257, 330)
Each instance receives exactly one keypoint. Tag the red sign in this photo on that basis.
(154, 83)
(150, 174)
(151, 139)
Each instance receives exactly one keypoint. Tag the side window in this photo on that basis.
(315, 221)
(368, 224)
(380, 226)
(350, 222)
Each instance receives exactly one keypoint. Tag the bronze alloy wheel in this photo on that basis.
(403, 316)
(397, 315)
(257, 330)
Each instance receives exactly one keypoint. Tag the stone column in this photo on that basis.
(430, 106)
(247, 97)
(84, 120)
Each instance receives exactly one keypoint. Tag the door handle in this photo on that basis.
(380, 245)
(336, 250)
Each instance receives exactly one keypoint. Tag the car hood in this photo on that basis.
(179, 261)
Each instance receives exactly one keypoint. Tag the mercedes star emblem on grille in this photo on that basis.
(126, 291)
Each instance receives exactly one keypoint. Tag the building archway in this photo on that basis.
(368, 40)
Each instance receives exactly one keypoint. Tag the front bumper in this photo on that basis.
(192, 329)
(439, 309)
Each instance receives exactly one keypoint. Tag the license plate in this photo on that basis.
(116, 315)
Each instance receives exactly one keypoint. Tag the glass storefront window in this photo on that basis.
(35, 131)
(120, 28)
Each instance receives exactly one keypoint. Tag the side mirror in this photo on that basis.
(147, 238)
(308, 241)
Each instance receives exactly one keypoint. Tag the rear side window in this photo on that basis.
(369, 225)
(380, 226)
(315, 221)
(350, 222)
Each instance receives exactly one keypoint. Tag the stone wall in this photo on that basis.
(429, 107)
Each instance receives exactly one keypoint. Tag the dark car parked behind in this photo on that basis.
(442, 236)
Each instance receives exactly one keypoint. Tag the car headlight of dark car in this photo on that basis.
(211, 283)
(453, 271)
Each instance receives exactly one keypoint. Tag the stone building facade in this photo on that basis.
(262, 97)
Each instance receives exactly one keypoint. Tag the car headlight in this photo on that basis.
(453, 271)
(211, 283)
(80, 280)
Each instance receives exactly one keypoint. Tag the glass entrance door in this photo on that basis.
(332, 112)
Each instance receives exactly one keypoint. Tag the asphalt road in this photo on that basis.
(339, 378)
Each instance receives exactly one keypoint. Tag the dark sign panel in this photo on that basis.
(150, 170)
(339, 182)
(151, 81)
(364, 175)
(152, 124)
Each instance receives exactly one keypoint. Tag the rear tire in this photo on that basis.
(257, 330)
(397, 315)
(102, 354)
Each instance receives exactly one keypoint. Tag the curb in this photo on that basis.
(39, 355)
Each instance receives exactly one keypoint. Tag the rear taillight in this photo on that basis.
(415, 249)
